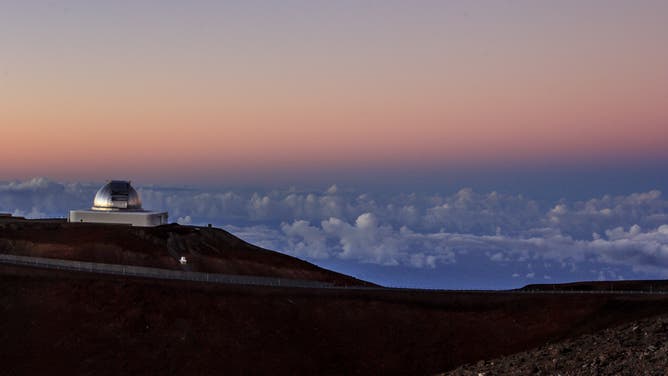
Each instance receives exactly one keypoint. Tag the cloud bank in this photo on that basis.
(409, 229)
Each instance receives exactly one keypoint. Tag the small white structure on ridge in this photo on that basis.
(118, 202)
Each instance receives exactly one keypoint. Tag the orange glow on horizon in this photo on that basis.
(415, 87)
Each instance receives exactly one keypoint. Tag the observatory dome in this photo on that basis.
(117, 195)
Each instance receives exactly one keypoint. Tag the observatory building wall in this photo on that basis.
(142, 219)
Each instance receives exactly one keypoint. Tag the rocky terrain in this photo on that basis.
(636, 348)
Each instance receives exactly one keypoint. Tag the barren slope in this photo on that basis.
(59, 322)
(63, 322)
(207, 249)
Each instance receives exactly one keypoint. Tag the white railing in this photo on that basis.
(148, 272)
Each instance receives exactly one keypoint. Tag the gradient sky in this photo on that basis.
(211, 91)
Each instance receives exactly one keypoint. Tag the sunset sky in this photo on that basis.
(214, 91)
(361, 135)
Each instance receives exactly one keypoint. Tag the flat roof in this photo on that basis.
(124, 212)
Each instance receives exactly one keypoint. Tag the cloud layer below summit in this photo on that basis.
(617, 236)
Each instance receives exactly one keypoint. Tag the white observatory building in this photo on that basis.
(118, 202)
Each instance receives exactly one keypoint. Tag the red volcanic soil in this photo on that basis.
(60, 322)
(207, 249)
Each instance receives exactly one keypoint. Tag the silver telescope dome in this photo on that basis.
(117, 195)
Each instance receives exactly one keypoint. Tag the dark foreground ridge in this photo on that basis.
(649, 286)
(67, 322)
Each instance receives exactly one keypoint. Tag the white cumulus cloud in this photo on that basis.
(409, 229)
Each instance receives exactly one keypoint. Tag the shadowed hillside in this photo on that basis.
(81, 323)
(64, 322)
